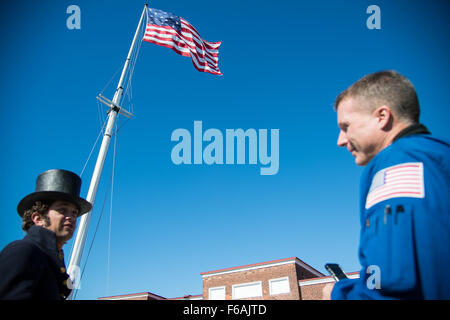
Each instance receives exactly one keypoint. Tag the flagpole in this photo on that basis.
(74, 265)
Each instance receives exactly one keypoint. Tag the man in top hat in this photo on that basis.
(33, 268)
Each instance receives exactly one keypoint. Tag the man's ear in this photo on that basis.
(37, 219)
(384, 117)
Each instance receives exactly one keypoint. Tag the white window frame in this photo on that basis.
(217, 288)
(234, 286)
(279, 279)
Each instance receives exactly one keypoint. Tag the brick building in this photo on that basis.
(283, 279)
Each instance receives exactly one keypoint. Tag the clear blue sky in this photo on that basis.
(283, 65)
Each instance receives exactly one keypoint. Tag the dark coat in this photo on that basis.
(33, 268)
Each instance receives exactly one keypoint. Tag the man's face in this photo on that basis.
(62, 216)
(359, 131)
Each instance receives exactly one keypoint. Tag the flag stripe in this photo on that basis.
(167, 31)
(166, 36)
(404, 180)
(198, 62)
(187, 25)
(182, 49)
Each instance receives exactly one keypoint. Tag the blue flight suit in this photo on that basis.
(405, 239)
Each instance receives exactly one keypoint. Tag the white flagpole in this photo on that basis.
(74, 265)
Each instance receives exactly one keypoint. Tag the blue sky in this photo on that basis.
(283, 66)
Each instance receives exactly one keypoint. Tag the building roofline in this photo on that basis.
(187, 297)
(134, 295)
(326, 279)
(264, 264)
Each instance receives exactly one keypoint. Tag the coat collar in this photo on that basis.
(43, 237)
(46, 241)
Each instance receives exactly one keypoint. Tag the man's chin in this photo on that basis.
(361, 161)
(66, 234)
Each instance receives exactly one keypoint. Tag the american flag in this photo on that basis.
(403, 180)
(171, 31)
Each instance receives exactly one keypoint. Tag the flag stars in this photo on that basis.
(161, 18)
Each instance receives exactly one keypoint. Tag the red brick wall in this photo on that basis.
(302, 273)
(312, 291)
(262, 274)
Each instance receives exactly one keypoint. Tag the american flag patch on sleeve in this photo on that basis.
(402, 180)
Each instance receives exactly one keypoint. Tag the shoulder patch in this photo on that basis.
(402, 180)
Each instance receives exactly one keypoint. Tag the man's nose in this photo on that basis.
(72, 217)
(342, 139)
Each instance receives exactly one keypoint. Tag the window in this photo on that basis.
(247, 290)
(217, 293)
(279, 285)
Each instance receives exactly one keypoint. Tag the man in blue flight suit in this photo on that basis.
(33, 268)
(404, 194)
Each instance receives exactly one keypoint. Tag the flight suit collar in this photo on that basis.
(416, 128)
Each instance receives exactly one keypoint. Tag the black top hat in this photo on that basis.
(56, 184)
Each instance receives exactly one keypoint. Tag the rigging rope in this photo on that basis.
(93, 147)
(92, 242)
(85, 164)
(109, 187)
(135, 54)
(129, 89)
(115, 74)
(110, 210)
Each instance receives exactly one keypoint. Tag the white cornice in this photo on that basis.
(263, 265)
(308, 282)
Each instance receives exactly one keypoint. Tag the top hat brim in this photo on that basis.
(50, 196)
